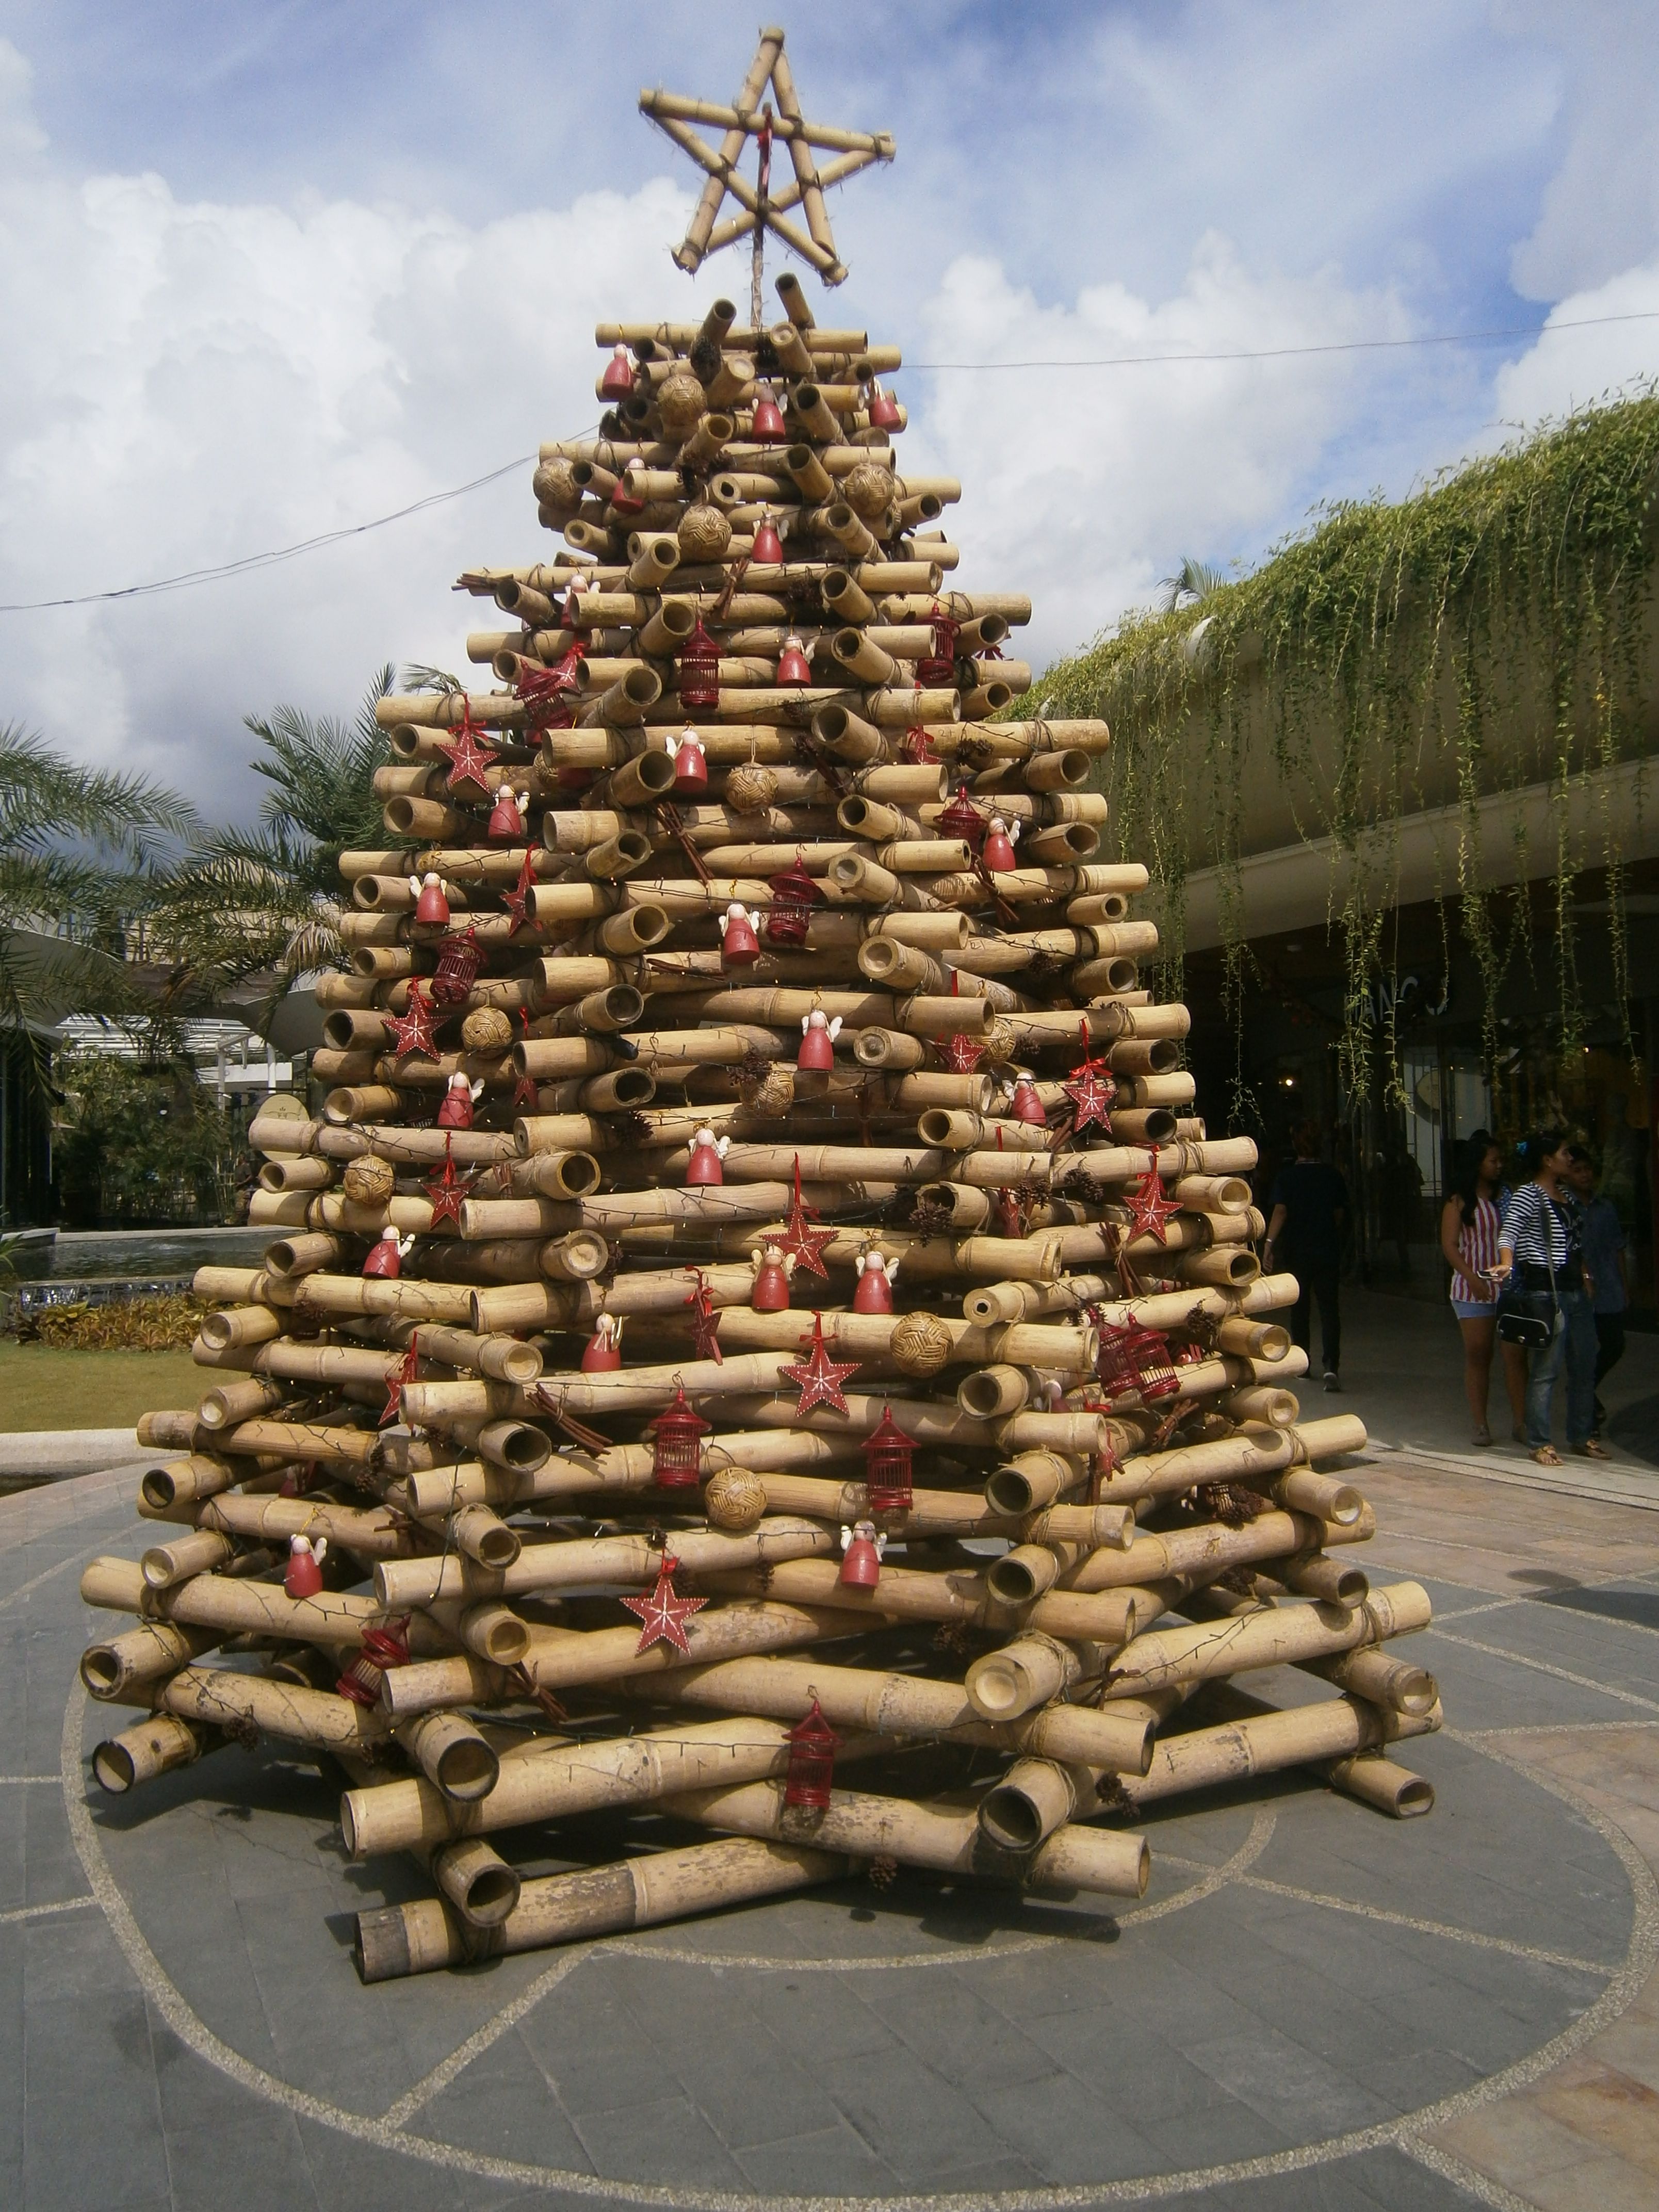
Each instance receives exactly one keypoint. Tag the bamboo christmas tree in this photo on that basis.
(753, 1205)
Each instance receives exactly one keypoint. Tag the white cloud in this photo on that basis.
(1086, 487)
(1568, 368)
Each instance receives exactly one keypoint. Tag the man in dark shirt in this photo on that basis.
(1310, 1209)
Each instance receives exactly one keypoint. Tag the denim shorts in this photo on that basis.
(1473, 1309)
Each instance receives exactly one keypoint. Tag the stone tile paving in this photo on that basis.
(1312, 2007)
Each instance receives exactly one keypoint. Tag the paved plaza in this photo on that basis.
(1314, 2006)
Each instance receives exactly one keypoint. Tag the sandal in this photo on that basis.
(1481, 1437)
(1592, 1447)
(1547, 1455)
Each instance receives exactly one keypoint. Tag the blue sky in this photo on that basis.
(279, 268)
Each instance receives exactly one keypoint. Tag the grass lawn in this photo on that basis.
(43, 1387)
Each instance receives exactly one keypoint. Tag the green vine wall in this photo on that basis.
(1488, 634)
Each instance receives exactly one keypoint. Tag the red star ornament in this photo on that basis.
(525, 1092)
(807, 1243)
(663, 1612)
(705, 1320)
(470, 755)
(819, 1378)
(412, 1033)
(405, 1371)
(1091, 1089)
(446, 1190)
(1149, 1210)
(961, 1054)
(517, 899)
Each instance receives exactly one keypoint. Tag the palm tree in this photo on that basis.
(265, 900)
(1192, 582)
(81, 853)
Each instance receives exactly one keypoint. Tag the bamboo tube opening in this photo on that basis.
(843, 733)
(198, 1553)
(993, 1392)
(1337, 1582)
(300, 1255)
(637, 929)
(1023, 1574)
(620, 1090)
(181, 1481)
(514, 1444)
(1033, 1799)
(607, 1012)
(1061, 771)
(477, 1882)
(154, 1747)
(395, 1940)
(643, 780)
(482, 1535)
(575, 1258)
(1023, 1675)
(495, 1633)
(1232, 1265)
(843, 594)
(1375, 1780)
(965, 1207)
(1029, 1483)
(113, 1585)
(652, 561)
(452, 1755)
(891, 1049)
(617, 856)
(1301, 1490)
(565, 1175)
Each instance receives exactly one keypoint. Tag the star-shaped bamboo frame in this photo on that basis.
(674, 113)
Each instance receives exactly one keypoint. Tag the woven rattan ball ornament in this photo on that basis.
(703, 534)
(922, 1345)
(554, 484)
(487, 1029)
(749, 788)
(868, 489)
(735, 1499)
(369, 1181)
(1000, 1041)
(680, 402)
(773, 1095)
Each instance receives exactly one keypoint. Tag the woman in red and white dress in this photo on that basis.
(1470, 1223)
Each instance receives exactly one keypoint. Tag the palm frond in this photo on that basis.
(1193, 581)
(46, 800)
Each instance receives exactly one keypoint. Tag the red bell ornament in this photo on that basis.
(506, 815)
(888, 1457)
(455, 1111)
(769, 425)
(707, 1155)
(739, 940)
(811, 1775)
(690, 767)
(1025, 1105)
(998, 852)
(874, 1292)
(773, 1271)
(885, 414)
(602, 1353)
(303, 1575)
(385, 1256)
(431, 906)
(700, 671)
(818, 1042)
(861, 1551)
(677, 1436)
(793, 667)
(617, 382)
(768, 551)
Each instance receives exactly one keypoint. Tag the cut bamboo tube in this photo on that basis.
(152, 1747)
(580, 1562)
(1280, 1635)
(1205, 1759)
(220, 1696)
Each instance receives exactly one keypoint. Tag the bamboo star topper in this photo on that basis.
(762, 210)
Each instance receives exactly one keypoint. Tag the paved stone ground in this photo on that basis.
(1312, 2006)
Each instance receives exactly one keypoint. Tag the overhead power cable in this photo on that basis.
(252, 562)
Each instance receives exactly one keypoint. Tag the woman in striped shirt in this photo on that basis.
(1540, 1245)
(1469, 1224)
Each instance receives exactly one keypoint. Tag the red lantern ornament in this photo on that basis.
(874, 1292)
(665, 1613)
(459, 959)
(768, 551)
(303, 1575)
(676, 1448)
(812, 1772)
(961, 819)
(885, 413)
(431, 907)
(818, 1042)
(739, 941)
(794, 895)
(700, 670)
(1136, 1359)
(773, 1269)
(383, 1648)
(386, 1255)
(998, 853)
(818, 1378)
(506, 815)
(769, 425)
(690, 767)
(861, 1550)
(707, 1153)
(1025, 1105)
(939, 667)
(888, 1456)
(617, 382)
(602, 1354)
(793, 667)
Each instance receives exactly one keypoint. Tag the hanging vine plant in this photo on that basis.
(1454, 650)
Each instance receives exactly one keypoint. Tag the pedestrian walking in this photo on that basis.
(1606, 1262)
(1308, 1211)
(1540, 1265)
(1470, 1222)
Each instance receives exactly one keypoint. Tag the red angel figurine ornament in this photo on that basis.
(690, 767)
(506, 815)
(303, 1575)
(817, 1040)
(773, 1272)
(1024, 1103)
(740, 941)
(1000, 839)
(874, 1293)
(430, 904)
(387, 1256)
(602, 1355)
(455, 1111)
(706, 1155)
(861, 1550)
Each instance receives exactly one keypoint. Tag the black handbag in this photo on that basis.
(1528, 1316)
